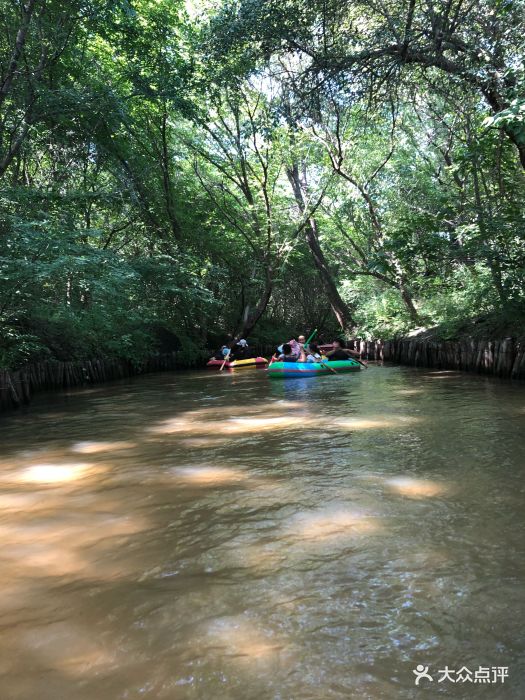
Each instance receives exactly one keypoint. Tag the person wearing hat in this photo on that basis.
(242, 344)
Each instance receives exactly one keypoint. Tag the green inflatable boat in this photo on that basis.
(285, 370)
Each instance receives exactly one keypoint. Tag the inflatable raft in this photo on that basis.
(250, 362)
(283, 370)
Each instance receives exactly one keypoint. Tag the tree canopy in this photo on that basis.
(173, 174)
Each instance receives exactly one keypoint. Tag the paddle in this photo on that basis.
(271, 363)
(225, 361)
(310, 337)
(361, 363)
(327, 367)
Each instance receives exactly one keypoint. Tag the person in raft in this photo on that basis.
(242, 350)
(313, 354)
(298, 347)
(294, 345)
(224, 352)
(221, 352)
(296, 353)
(339, 352)
(287, 354)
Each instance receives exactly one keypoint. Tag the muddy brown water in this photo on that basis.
(225, 536)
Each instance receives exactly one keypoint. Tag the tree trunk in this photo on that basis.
(519, 142)
(250, 320)
(338, 306)
(409, 303)
(14, 148)
(5, 87)
(166, 179)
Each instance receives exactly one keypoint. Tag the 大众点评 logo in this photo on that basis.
(483, 674)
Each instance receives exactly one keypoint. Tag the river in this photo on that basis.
(221, 536)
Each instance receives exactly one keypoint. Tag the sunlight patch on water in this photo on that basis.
(203, 441)
(263, 557)
(92, 447)
(209, 475)
(77, 663)
(442, 374)
(57, 473)
(21, 501)
(281, 404)
(416, 488)
(236, 420)
(260, 554)
(67, 648)
(242, 425)
(239, 637)
(266, 423)
(48, 560)
(371, 423)
(64, 548)
(332, 523)
(231, 426)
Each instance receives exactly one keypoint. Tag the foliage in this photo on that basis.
(170, 179)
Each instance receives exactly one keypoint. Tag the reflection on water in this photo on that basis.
(209, 475)
(416, 488)
(92, 447)
(51, 473)
(206, 536)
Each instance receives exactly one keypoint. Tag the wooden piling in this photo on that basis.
(18, 386)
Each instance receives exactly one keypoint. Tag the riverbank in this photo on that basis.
(500, 358)
(18, 386)
(504, 357)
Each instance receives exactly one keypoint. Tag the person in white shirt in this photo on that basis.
(242, 349)
(313, 354)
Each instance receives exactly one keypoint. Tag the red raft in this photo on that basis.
(249, 362)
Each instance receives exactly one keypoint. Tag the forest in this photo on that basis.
(172, 173)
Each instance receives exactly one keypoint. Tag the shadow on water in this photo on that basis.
(206, 536)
